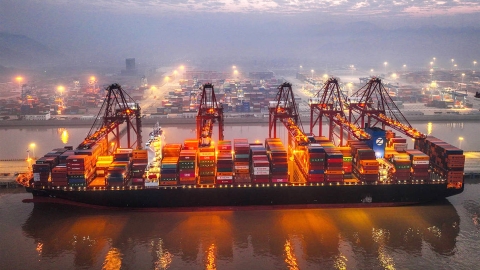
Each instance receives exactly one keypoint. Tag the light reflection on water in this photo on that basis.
(376, 238)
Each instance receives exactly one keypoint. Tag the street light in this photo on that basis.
(460, 144)
(463, 76)
(19, 79)
(312, 73)
(60, 89)
(474, 64)
(32, 145)
(385, 64)
(452, 62)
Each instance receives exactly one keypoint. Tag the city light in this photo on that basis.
(385, 64)
(312, 73)
(60, 89)
(32, 145)
(460, 144)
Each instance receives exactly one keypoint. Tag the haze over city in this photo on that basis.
(257, 33)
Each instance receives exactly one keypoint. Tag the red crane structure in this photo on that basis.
(117, 108)
(209, 112)
(285, 110)
(372, 105)
(329, 102)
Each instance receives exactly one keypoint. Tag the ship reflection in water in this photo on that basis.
(351, 238)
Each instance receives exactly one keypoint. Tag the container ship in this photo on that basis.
(359, 160)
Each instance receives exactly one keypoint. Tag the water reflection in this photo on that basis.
(292, 239)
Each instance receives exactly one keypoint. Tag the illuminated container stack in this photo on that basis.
(119, 170)
(139, 165)
(117, 173)
(187, 163)
(62, 159)
(333, 165)
(420, 165)
(277, 156)
(41, 174)
(51, 168)
(316, 163)
(59, 176)
(103, 162)
(224, 163)
(241, 160)
(259, 166)
(79, 170)
(402, 166)
(347, 161)
(365, 165)
(44, 167)
(169, 167)
(446, 160)
(206, 165)
(398, 144)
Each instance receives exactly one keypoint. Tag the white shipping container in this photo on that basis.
(255, 169)
(36, 177)
(401, 157)
(421, 162)
(261, 173)
(241, 167)
(224, 177)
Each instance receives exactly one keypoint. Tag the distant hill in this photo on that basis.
(22, 51)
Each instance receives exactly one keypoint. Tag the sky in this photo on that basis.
(167, 30)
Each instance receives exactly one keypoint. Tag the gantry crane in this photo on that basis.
(285, 110)
(117, 108)
(209, 112)
(372, 105)
(329, 102)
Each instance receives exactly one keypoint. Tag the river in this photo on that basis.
(444, 235)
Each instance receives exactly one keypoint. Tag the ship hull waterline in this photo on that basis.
(176, 198)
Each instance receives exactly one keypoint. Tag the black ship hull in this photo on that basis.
(271, 196)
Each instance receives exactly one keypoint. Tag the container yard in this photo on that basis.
(345, 165)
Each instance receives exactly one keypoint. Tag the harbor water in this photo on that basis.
(443, 235)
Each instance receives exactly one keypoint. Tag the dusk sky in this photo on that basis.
(169, 29)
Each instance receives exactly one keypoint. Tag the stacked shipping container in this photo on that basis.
(241, 160)
(259, 166)
(277, 155)
(224, 163)
(169, 166)
(206, 165)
